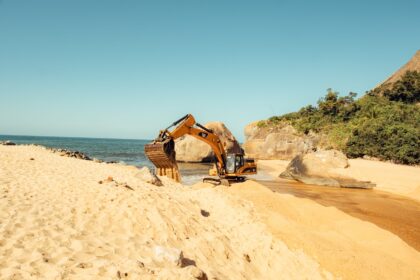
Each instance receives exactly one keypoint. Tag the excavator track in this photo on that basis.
(162, 155)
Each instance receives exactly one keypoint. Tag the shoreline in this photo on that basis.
(390, 177)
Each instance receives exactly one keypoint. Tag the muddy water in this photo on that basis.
(396, 214)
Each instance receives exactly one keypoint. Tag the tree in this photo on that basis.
(406, 90)
(328, 104)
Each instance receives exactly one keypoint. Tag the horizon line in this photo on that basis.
(81, 137)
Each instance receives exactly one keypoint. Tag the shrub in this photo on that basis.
(406, 90)
(397, 142)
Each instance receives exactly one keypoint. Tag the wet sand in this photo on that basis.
(394, 213)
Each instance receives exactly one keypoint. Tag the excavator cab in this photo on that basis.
(233, 163)
(237, 166)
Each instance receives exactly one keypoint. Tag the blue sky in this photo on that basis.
(125, 69)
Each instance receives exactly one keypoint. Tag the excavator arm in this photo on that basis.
(162, 150)
(190, 127)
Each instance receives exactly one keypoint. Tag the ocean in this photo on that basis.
(124, 151)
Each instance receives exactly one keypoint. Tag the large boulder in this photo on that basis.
(320, 168)
(190, 149)
(324, 162)
(278, 142)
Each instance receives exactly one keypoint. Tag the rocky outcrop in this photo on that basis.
(76, 154)
(7, 143)
(278, 142)
(318, 168)
(68, 153)
(190, 149)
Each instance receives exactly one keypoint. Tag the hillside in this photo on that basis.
(412, 65)
(384, 123)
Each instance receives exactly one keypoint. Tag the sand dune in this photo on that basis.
(58, 222)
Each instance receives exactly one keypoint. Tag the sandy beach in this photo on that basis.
(209, 140)
(59, 222)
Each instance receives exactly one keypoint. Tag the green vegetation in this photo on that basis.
(385, 123)
(406, 90)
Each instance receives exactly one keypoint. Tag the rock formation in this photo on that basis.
(280, 142)
(189, 149)
(69, 153)
(318, 168)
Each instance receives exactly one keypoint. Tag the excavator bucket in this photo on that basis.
(162, 155)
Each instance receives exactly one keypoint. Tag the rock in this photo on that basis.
(7, 143)
(372, 158)
(193, 272)
(318, 169)
(295, 169)
(109, 179)
(353, 183)
(320, 162)
(320, 181)
(190, 149)
(279, 142)
(146, 175)
(68, 153)
(172, 256)
(204, 213)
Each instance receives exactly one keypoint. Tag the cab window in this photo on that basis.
(230, 164)
(239, 162)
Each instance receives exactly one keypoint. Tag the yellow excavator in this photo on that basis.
(228, 166)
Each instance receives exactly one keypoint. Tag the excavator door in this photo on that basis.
(233, 163)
